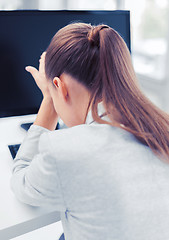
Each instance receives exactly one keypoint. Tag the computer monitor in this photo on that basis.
(24, 35)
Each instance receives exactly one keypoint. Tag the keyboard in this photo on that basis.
(14, 149)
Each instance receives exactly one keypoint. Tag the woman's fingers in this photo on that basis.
(43, 55)
(42, 63)
(33, 71)
(39, 75)
(40, 79)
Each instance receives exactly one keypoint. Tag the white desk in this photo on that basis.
(17, 218)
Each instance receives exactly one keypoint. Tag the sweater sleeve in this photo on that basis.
(35, 180)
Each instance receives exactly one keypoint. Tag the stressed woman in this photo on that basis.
(107, 173)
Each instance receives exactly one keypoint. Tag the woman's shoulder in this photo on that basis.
(88, 137)
(98, 146)
(88, 132)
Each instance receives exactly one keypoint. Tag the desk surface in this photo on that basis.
(17, 218)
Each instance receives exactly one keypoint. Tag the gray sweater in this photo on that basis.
(104, 182)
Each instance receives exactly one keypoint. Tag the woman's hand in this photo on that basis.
(47, 115)
(40, 76)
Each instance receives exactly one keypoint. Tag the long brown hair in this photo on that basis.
(98, 57)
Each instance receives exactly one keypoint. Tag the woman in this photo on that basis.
(107, 173)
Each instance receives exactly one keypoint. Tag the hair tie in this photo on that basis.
(94, 35)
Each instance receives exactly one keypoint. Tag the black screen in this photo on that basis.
(24, 35)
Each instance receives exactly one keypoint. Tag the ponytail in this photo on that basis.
(123, 98)
(98, 57)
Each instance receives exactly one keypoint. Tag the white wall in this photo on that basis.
(52, 4)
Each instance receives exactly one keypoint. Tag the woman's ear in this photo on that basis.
(55, 82)
(61, 87)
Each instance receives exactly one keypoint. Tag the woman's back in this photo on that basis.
(113, 187)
